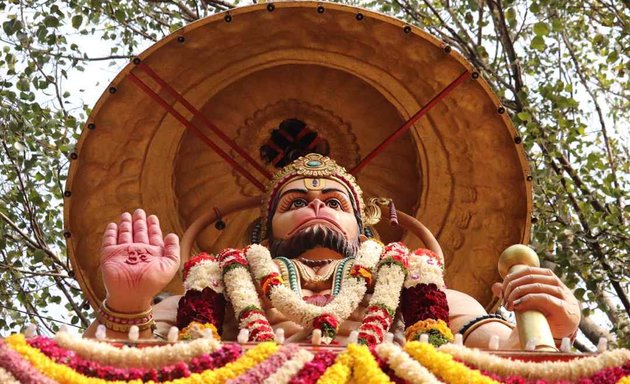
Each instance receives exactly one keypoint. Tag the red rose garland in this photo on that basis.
(203, 301)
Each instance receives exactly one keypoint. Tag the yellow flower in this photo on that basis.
(365, 368)
(424, 326)
(339, 372)
(442, 365)
(624, 380)
(64, 374)
(194, 331)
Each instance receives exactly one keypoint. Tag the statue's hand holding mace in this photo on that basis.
(544, 307)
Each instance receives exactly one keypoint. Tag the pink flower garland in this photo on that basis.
(605, 376)
(22, 370)
(268, 367)
(227, 354)
(314, 369)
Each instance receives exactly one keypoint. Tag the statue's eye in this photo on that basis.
(298, 203)
(333, 203)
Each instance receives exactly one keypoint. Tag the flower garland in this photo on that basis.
(7, 378)
(392, 270)
(64, 374)
(265, 369)
(625, 380)
(339, 372)
(243, 296)
(444, 366)
(150, 357)
(365, 368)
(314, 369)
(19, 368)
(404, 366)
(328, 317)
(424, 305)
(49, 348)
(571, 370)
(290, 368)
(196, 330)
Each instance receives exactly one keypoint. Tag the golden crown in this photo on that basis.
(312, 166)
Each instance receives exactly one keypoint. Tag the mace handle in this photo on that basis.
(533, 328)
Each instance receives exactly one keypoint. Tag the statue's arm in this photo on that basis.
(463, 309)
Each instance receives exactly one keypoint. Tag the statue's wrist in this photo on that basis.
(129, 306)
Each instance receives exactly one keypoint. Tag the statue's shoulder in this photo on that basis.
(166, 306)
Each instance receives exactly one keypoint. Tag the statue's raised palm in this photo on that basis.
(136, 262)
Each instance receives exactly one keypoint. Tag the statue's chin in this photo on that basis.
(321, 253)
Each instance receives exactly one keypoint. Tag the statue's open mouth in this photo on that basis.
(317, 221)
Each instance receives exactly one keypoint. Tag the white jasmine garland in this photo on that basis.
(389, 282)
(566, 370)
(206, 273)
(404, 365)
(424, 270)
(127, 357)
(292, 305)
(240, 289)
(290, 368)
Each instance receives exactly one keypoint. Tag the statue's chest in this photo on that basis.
(309, 281)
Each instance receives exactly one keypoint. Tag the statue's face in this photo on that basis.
(299, 208)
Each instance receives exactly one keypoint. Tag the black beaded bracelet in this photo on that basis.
(478, 319)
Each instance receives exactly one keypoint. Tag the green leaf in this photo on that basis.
(51, 21)
(538, 43)
(524, 116)
(76, 21)
(541, 28)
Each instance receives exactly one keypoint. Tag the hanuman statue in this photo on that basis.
(314, 268)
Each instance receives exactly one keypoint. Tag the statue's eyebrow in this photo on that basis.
(293, 190)
(329, 190)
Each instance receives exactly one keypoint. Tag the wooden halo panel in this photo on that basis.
(354, 81)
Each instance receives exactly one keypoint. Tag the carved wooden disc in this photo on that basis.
(355, 81)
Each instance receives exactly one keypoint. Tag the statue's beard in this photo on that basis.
(315, 236)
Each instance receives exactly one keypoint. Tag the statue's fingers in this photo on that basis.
(140, 231)
(534, 288)
(541, 302)
(528, 279)
(171, 247)
(526, 272)
(155, 232)
(125, 231)
(110, 236)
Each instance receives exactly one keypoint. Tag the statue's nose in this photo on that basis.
(316, 205)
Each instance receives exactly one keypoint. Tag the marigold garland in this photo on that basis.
(228, 353)
(439, 333)
(64, 374)
(625, 380)
(24, 372)
(339, 372)
(365, 368)
(404, 366)
(195, 330)
(570, 370)
(443, 365)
